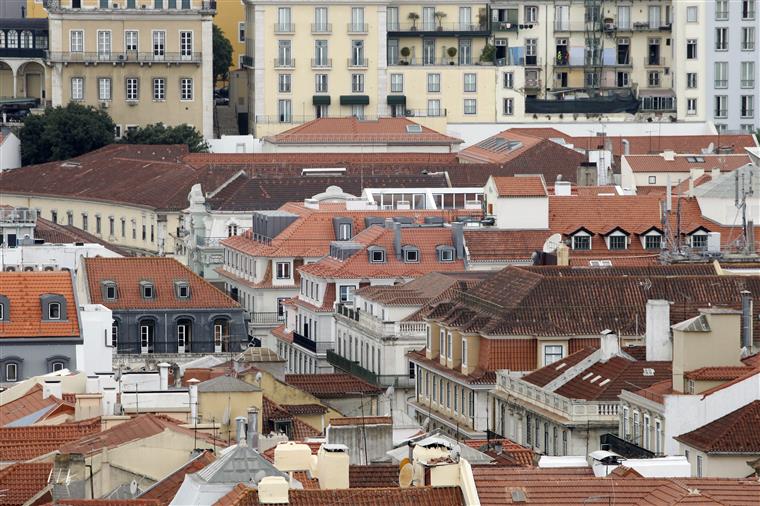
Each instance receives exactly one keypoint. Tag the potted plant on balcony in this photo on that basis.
(452, 52)
(405, 52)
(488, 54)
(439, 16)
(413, 17)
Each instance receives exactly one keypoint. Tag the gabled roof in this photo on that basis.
(718, 373)
(331, 386)
(24, 291)
(68, 234)
(163, 273)
(28, 408)
(273, 412)
(545, 375)
(165, 490)
(25, 443)
(420, 290)
(684, 163)
(352, 130)
(734, 433)
(520, 186)
(226, 384)
(22, 482)
(239, 464)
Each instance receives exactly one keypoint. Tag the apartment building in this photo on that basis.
(143, 62)
(731, 85)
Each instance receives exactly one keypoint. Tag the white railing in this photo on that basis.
(412, 328)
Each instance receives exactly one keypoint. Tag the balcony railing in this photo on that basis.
(16, 52)
(651, 61)
(503, 26)
(748, 83)
(434, 27)
(321, 63)
(412, 60)
(321, 28)
(284, 27)
(646, 26)
(122, 57)
(313, 346)
(721, 83)
(358, 28)
(267, 318)
(284, 63)
(247, 61)
(384, 380)
(357, 62)
(18, 215)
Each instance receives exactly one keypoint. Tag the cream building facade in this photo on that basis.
(143, 62)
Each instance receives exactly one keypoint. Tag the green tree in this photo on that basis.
(64, 132)
(162, 134)
(222, 55)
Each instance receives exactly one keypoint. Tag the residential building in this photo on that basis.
(141, 63)
(24, 77)
(162, 308)
(394, 327)
(643, 171)
(44, 329)
(731, 63)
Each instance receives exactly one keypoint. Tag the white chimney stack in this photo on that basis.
(92, 385)
(240, 424)
(163, 376)
(192, 384)
(109, 401)
(332, 466)
(273, 490)
(253, 428)
(610, 344)
(659, 346)
(52, 387)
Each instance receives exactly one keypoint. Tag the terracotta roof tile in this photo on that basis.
(106, 502)
(23, 481)
(163, 272)
(27, 404)
(328, 386)
(25, 443)
(273, 412)
(358, 420)
(505, 451)
(520, 186)
(24, 290)
(733, 433)
(56, 233)
(304, 409)
(350, 130)
(164, 491)
(718, 373)
(545, 375)
(373, 476)
(684, 163)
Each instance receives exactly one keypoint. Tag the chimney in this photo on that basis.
(273, 490)
(562, 188)
(52, 386)
(715, 173)
(397, 239)
(626, 147)
(332, 466)
(668, 155)
(240, 434)
(610, 345)
(563, 254)
(747, 320)
(192, 384)
(108, 402)
(457, 238)
(92, 385)
(253, 428)
(87, 406)
(388, 223)
(163, 376)
(659, 346)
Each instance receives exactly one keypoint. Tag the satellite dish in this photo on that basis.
(405, 474)
(133, 488)
(552, 243)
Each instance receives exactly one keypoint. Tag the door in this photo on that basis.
(33, 86)
(159, 45)
(147, 338)
(104, 45)
(531, 51)
(428, 18)
(623, 51)
(218, 337)
(12, 240)
(186, 45)
(428, 52)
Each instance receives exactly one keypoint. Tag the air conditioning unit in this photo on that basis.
(104, 105)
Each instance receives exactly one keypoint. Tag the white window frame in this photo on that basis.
(470, 106)
(186, 89)
(105, 89)
(57, 316)
(553, 348)
(159, 89)
(282, 270)
(77, 88)
(76, 41)
(132, 89)
(186, 45)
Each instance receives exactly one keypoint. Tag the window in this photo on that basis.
(509, 107)
(748, 74)
(283, 270)
(657, 436)
(434, 83)
(691, 14)
(636, 429)
(747, 106)
(552, 353)
(159, 45)
(114, 333)
(721, 109)
(446, 255)
(11, 372)
(132, 88)
(582, 242)
(241, 32)
(748, 9)
(748, 38)
(104, 88)
(54, 311)
(97, 225)
(357, 53)
(464, 352)
(346, 293)
(283, 83)
(186, 45)
(442, 343)
(654, 79)
(84, 222)
(618, 242)
(699, 466)
(76, 43)
(183, 290)
(397, 83)
(470, 83)
(721, 39)
(647, 431)
(434, 107)
(449, 345)
(721, 74)
(411, 254)
(531, 14)
(130, 40)
(721, 10)
(509, 80)
(691, 49)
(186, 89)
(57, 365)
(377, 256)
(357, 83)
(320, 83)
(653, 242)
(159, 89)
(111, 291)
(147, 290)
(77, 88)
(357, 19)
(470, 105)
(285, 111)
(691, 80)
(625, 434)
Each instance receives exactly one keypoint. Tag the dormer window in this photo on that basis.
(182, 288)
(376, 255)
(445, 253)
(699, 240)
(54, 311)
(109, 290)
(5, 308)
(618, 242)
(410, 254)
(283, 270)
(653, 242)
(344, 232)
(53, 307)
(582, 241)
(147, 290)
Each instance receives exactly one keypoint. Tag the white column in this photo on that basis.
(207, 78)
(15, 83)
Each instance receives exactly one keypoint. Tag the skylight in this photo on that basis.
(413, 129)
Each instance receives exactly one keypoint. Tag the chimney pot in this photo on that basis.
(658, 344)
(52, 387)
(610, 344)
(253, 428)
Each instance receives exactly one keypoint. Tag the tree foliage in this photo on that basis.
(61, 133)
(162, 134)
(222, 55)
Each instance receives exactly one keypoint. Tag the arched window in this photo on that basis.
(12, 39)
(27, 40)
(28, 268)
(2, 39)
(57, 366)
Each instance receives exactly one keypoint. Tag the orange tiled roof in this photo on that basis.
(105, 502)
(511, 453)
(27, 404)
(164, 491)
(483, 153)
(350, 130)
(718, 373)
(358, 420)
(163, 272)
(545, 375)
(682, 163)
(328, 386)
(23, 481)
(271, 412)
(520, 186)
(24, 290)
(736, 432)
(25, 443)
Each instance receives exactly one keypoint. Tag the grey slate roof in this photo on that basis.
(725, 185)
(226, 384)
(240, 465)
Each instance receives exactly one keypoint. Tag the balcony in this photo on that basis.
(504, 26)
(652, 61)
(532, 83)
(321, 28)
(123, 57)
(646, 26)
(358, 28)
(321, 63)
(354, 368)
(26, 53)
(414, 61)
(284, 63)
(247, 62)
(438, 29)
(347, 311)
(284, 28)
(317, 347)
(357, 63)
(18, 216)
(266, 319)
